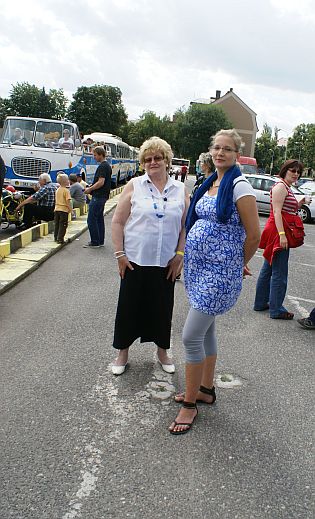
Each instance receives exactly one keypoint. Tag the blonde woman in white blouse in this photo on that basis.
(148, 235)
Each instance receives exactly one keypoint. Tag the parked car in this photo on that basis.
(262, 185)
(302, 181)
(308, 188)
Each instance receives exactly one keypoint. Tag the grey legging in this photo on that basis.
(199, 336)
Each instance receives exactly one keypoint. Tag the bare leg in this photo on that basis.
(122, 358)
(208, 371)
(193, 380)
(163, 356)
(206, 380)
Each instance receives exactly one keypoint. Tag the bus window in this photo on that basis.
(18, 132)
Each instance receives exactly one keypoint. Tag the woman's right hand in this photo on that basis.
(283, 241)
(123, 263)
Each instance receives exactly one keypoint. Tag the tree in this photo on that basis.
(4, 110)
(27, 100)
(24, 100)
(301, 145)
(98, 108)
(193, 129)
(149, 124)
(267, 152)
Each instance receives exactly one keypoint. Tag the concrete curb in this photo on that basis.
(26, 251)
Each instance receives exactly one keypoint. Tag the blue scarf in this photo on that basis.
(224, 201)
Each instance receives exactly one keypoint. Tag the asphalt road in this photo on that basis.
(77, 442)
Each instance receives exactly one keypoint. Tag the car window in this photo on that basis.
(256, 182)
(266, 184)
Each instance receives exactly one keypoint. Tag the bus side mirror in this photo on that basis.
(77, 143)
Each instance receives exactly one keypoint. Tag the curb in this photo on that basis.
(27, 250)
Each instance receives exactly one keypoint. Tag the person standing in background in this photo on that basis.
(62, 208)
(99, 190)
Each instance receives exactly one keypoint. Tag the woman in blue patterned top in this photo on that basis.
(222, 236)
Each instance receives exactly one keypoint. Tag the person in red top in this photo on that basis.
(272, 282)
(183, 173)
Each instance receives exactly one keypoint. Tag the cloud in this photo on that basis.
(162, 53)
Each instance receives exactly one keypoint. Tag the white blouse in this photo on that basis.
(152, 230)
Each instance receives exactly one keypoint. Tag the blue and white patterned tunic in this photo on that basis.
(214, 259)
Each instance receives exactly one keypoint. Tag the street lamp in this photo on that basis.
(271, 163)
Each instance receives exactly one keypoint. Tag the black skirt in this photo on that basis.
(145, 307)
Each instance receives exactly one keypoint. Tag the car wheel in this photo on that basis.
(305, 214)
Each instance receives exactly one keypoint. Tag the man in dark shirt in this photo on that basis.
(99, 190)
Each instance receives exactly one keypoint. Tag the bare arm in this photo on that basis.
(279, 193)
(29, 200)
(176, 263)
(247, 209)
(119, 220)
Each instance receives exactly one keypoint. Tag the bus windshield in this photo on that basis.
(51, 134)
(18, 132)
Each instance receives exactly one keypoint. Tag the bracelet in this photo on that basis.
(180, 252)
(121, 256)
(119, 252)
(281, 233)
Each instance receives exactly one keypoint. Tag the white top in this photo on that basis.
(242, 188)
(63, 140)
(152, 230)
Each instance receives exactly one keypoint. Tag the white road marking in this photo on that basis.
(302, 299)
(303, 312)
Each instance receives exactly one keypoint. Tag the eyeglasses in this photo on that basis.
(225, 149)
(294, 170)
(156, 158)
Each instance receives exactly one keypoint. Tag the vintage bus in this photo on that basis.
(30, 146)
(120, 156)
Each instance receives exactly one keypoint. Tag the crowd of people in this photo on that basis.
(157, 231)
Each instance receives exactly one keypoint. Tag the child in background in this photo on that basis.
(62, 207)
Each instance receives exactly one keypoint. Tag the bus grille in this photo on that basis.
(29, 167)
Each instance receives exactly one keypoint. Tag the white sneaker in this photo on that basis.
(168, 368)
(118, 370)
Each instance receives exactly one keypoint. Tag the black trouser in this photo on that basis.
(61, 224)
(37, 212)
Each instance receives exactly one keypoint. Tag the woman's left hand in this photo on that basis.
(246, 271)
(174, 267)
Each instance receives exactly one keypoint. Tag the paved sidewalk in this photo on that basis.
(31, 254)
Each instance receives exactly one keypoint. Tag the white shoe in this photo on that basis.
(118, 370)
(168, 368)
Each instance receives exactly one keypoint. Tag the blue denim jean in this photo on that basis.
(272, 284)
(95, 220)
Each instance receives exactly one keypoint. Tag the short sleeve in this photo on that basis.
(242, 188)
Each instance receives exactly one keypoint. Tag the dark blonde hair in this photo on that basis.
(232, 134)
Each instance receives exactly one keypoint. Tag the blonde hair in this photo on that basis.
(62, 179)
(153, 145)
(232, 134)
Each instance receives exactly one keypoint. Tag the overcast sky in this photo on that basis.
(164, 53)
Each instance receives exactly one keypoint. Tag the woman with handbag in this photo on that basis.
(283, 230)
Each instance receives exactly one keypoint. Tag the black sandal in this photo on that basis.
(207, 391)
(187, 405)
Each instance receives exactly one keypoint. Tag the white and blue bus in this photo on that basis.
(122, 157)
(31, 146)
